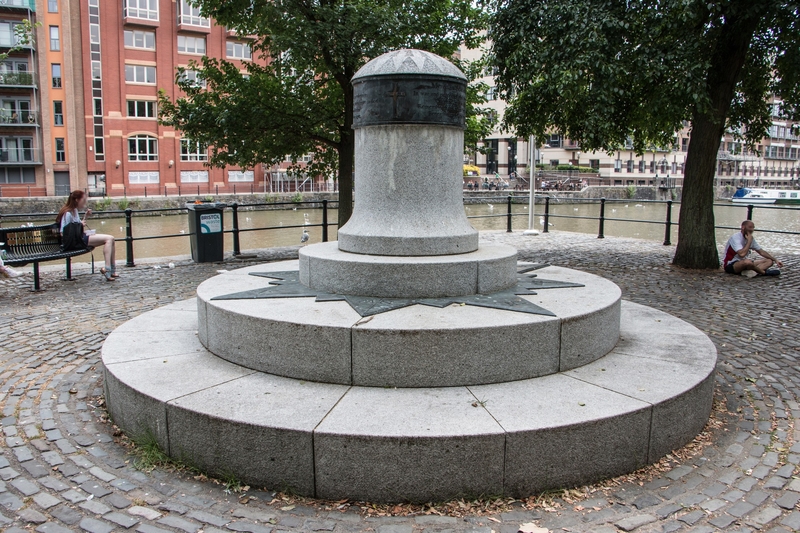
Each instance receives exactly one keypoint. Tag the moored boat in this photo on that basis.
(766, 196)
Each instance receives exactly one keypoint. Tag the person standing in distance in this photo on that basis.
(738, 249)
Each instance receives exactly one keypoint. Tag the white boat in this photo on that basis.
(766, 196)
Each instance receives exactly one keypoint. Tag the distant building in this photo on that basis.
(776, 163)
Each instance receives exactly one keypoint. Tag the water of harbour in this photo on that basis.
(764, 217)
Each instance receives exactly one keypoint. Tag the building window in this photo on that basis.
(61, 153)
(141, 109)
(96, 70)
(491, 94)
(16, 149)
(58, 113)
(193, 151)
(55, 40)
(140, 74)
(52, 6)
(141, 9)
(194, 176)
(142, 148)
(629, 165)
(190, 15)
(641, 166)
(594, 163)
(618, 165)
(8, 34)
(138, 178)
(191, 45)
(145, 40)
(193, 77)
(240, 175)
(238, 50)
(55, 72)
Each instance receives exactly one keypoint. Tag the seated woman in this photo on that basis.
(69, 214)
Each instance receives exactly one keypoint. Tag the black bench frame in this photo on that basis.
(34, 244)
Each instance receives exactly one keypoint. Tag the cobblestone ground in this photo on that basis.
(63, 469)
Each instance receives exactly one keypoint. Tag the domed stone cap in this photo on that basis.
(409, 61)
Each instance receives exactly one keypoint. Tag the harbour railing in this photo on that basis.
(545, 202)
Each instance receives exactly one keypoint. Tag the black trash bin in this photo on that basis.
(205, 226)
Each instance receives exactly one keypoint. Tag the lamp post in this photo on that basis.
(531, 198)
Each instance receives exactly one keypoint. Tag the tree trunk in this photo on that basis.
(346, 158)
(697, 247)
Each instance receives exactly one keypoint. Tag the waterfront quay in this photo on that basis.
(65, 467)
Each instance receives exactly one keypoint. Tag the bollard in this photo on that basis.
(145, 191)
(165, 191)
(217, 189)
(750, 212)
(324, 220)
(508, 216)
(198, 190)
(668, 224)
(236, 248)
(129, 239)
(546, 215)
(602, 218)
(234, 188)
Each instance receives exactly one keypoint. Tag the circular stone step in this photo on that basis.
(651, 394)
(491, 268)
(416, 346)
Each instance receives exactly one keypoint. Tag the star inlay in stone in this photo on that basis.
(287, 285)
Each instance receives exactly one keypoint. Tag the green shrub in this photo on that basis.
(630, 191)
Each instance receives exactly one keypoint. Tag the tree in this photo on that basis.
(603, 73)
(301, 101)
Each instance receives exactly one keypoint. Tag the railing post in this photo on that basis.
(508, 215)
(750, 212)
(668, 229)
(324, 220)
(145, 191)
(129, 239)
(165, 191)
(236, 249)
(602, 218)
(217, 189)
(546, 228)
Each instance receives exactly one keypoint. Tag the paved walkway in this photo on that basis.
(64, 469)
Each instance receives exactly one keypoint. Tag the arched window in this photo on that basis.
(142, 148)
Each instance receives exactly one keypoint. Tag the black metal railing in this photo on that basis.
(325, 205)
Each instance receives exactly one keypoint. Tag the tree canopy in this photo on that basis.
(300, 102)
(603, 73)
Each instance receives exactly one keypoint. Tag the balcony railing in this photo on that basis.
(17, 78)
(20, 156)
(28, 5)
(14, 42)
(22, 118)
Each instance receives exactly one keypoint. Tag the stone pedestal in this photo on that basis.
(408, 118)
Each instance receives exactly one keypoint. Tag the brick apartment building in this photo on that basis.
(79, 104)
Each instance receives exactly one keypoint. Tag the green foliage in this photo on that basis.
(123, 204)
(301, 102)
(603, 73)
(608, 74)
(630, 191)
(297, 198)
(104, 204)
(208, 198)
(23, 37)
(148, 453)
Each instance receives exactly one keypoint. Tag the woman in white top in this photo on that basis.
(69, 213)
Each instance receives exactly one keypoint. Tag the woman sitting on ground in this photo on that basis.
(69, 214)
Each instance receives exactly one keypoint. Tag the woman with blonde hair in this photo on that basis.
(69, 215)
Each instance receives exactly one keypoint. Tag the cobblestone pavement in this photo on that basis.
(62, 468)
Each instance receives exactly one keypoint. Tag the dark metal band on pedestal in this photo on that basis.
(409, 99)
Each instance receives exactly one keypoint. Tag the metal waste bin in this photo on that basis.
(205, 226)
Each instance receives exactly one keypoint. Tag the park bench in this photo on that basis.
(34, 244)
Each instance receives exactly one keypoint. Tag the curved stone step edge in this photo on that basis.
(312, 463)
(342, 348)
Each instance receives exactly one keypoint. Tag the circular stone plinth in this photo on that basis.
(648, 396)
(415, 346)
(325, 267)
